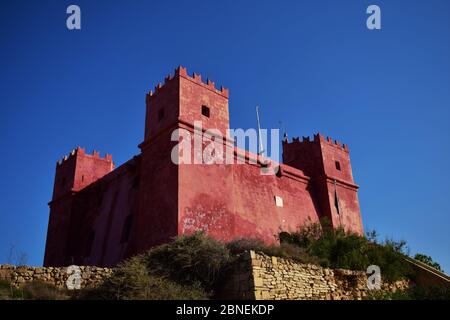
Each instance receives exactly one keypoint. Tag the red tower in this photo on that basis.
(73, 174)
(328, 165)
(176, 104)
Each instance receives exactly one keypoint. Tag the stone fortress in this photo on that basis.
(100, 214)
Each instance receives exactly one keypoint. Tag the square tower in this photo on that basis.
(328, 165)
(178, 103)
(73, 173)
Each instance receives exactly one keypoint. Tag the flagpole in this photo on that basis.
(261, 148)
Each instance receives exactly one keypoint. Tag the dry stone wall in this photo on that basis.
(261, 277)
(20, 275)
(253, 276)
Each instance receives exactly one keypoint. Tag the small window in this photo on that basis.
(205, 111)
(338, 165)
(126, 229)
(82, 178)
(160, 114)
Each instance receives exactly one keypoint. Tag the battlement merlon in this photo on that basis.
(78, 170)
(78, 151)
(196, 78)
(318, 138)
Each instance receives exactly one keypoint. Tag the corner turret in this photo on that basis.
(327, 162)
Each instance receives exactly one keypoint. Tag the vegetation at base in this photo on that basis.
(282, 250)
(414, 293)
(429, 261)
(193, 266)
(133, 280)
(338, 249)
(35, 290)
(190, 260)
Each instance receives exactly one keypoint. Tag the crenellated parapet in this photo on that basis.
(78, 151)
(316, 139)
(197, 78)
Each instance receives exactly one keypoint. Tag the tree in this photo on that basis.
(428, 261)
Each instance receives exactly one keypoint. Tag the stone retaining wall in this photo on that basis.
(254, 276)
(258, 276)
(18, 276)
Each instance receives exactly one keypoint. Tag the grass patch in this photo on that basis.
(414, 293)
(32, 291)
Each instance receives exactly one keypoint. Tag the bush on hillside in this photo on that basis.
(429, 261)
(283, 250)
(241, 245)
(414, 293)
(338, 249)
(190, 260)
(132, 280)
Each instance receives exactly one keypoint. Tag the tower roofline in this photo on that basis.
(181, 71)
(78, 151)
(318, 138)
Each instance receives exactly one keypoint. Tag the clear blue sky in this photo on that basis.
(312, 64)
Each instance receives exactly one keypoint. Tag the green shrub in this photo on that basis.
(131, 280)
(338, 249)
(241, 245)
(284, 250)
(386, 295)
(429, 261)
(414, 293)
(190, 260)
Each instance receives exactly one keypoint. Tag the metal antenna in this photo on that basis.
(261, 148)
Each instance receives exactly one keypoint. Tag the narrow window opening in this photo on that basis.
(160, 114)
(126, 229)
(90, 242)
(338, 165)
(205, 111)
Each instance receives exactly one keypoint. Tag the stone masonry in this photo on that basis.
(20, 275)
(254, 276)
(260, 277)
